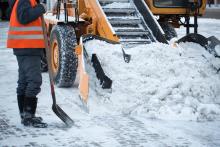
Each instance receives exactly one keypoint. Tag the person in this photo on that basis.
(25, 36)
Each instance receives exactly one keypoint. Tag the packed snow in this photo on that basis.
(118, 5)
(161, 81)
(165, 96)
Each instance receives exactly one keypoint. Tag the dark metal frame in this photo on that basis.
(174, 6)
(142, 7)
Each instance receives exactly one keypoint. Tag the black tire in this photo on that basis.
(65, 74)
(169, 30)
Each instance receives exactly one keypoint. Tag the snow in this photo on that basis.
(217, 49)
(213, 6)
(166, 96)
(207, 27)
(118, 5)
(161, 81)
(52, 17)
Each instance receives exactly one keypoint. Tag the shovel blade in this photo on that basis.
(62, 115)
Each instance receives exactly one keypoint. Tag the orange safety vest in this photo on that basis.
(25, 36)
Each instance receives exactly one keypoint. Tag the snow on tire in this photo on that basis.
(62, 56)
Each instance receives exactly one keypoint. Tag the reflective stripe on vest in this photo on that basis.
(25, 37)
(10, 36)
(25, 29)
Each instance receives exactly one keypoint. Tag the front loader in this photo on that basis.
(71, 23)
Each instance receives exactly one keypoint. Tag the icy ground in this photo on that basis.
(164, 97)
(213, 6)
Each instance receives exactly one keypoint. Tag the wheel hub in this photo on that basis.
(55, 56)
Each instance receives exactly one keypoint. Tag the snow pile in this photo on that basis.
(160, 81)
(217, 50)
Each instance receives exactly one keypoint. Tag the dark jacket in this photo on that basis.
(26, 14)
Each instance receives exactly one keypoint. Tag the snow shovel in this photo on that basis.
(56, 109)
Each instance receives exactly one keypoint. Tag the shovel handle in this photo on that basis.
(46, 42)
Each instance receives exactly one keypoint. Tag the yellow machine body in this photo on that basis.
(174, 7)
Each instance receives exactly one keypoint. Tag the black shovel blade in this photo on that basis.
(62, 115)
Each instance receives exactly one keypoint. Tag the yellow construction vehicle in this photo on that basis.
(70, 23)
(172, 12)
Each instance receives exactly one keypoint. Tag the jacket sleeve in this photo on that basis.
(11, 5)
(26, 13)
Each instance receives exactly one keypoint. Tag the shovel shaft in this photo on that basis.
(46, 42)
(57, 110)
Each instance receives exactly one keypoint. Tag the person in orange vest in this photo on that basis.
(25, 36)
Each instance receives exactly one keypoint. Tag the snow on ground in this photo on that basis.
(164, 97)
(213, 6)
(207, 27)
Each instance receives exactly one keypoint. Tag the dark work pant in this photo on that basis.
(29, 78)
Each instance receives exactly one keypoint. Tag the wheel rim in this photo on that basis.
(55, 56)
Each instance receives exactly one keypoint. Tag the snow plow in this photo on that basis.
(70, 24)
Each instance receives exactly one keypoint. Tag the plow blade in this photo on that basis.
(105, 81)
(209, 44)
(213, 43)
(196, 38)
(83, 80)
(93, 60)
